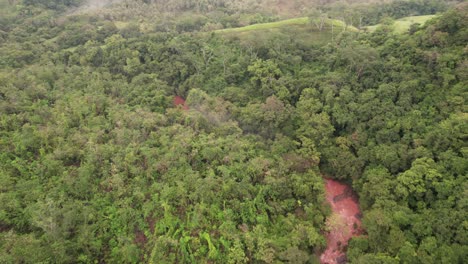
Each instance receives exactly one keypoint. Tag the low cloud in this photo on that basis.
(91, 5)
(94, 4)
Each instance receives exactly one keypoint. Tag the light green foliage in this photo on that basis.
(271, 25)
(415, 182)
(98, 165)
(402, 25)
(282, 24)
(300, 28)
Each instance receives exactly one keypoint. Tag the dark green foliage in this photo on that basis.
(402, 8)
(98, 165)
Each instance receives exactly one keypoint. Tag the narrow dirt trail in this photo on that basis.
(344, 223)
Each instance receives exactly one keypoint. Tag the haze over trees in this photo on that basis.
(98, 165)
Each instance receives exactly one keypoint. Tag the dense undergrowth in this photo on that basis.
(97, 165)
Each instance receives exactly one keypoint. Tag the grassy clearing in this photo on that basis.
(264, 37)
(121, 24)
(272, 25)
(403, 24)
(300, 21)
(145, 27)
(298, 28)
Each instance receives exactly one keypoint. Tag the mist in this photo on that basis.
(91, 5)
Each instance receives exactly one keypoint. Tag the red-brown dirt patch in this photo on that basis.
(344, 222)
(180, 101)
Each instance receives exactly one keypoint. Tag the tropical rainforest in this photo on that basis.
(184, 131)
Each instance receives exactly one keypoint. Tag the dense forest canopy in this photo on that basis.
(97, 165)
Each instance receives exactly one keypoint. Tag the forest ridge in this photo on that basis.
(98, 165)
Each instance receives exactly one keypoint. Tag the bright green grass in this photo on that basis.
(297, 28)
(280, 24)
(283, 23)
(403, 24)
(145, 27)
(121, 24)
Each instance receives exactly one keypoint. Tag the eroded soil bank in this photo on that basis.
(180, 101)
(344, 223)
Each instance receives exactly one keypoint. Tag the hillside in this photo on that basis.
(272, 25)
(402, 25)
(187, 131)
(300, 28)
